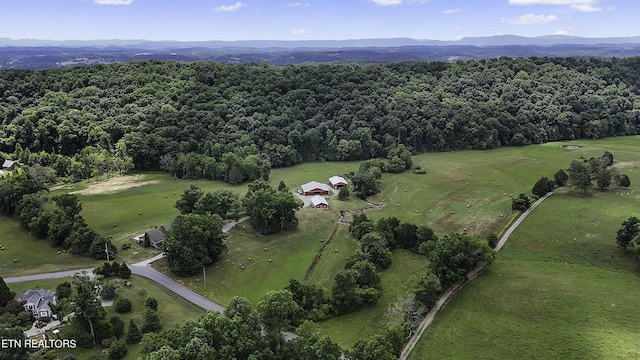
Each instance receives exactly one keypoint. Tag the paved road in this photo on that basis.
(53, 275)
(428, 319)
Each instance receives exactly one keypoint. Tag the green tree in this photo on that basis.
(375, 348)
(63, 290)
(151, 321)
(452, 256)
(194, 242)
(133, 333)
(560, 178)
(5, 293)
(123, 305)
(278, 311)
(187, 202)
(87, 307)
(69, 203)
(271, 211)
(580, 176)
(428, 289)
(343, 193)
(117, 350)
(118, 326)
(521, 203)
(542, 187)
(603, 178)
(151, 303)
(629, 231)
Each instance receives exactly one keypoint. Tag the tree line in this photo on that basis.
(234, 122)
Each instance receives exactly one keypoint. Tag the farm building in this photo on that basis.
(156, 236)
(37, 302)
(315, 188)
(337, 182)
(319, 202)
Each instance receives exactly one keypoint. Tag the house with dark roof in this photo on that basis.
(37, 302)
(157, 235)
(315, 188)
(9, 165)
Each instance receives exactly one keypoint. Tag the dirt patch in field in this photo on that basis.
(115, 184)
(623, 164)
(572, 147)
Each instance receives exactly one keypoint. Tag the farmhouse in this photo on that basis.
(9, 165)
(156, 236)
(319, 202)
(37, 302)
(337, 182)
(315, 188)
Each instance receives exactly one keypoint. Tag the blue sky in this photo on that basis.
(195, 20)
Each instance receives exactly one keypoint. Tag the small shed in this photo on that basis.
(315, 188)
(9, 165)
(337, 182)
(319, 202)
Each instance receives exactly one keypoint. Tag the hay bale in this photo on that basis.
(265, 249)
(249, 259)
(242, 267)
(270, 260)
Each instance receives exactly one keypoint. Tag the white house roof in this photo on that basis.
(8, 163)
(337, 180)
(310, 186)
(317, 200)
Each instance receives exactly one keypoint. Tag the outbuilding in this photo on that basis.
(319, 202)
(337, 182)
(315, 188)
(9, 165)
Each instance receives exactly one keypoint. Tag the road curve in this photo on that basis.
(428, 319)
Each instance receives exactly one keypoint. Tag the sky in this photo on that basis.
(201, 20)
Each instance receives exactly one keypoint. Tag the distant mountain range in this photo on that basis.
(37, 54)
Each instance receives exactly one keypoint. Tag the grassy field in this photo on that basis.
(30, 253)
(396, 281)
(560, 289)
(172, 310)
(461, 190)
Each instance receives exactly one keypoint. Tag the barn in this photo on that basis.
(319, 202)
(337, 182)
(315, 188)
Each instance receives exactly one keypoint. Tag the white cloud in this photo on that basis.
(228, 8)
(586, 8)
(298, 31)
(113, 2)
(298, 4)
(387, 2)
(450, 11)
(579, 5)
(530, 19)
(566, 31)
(398, 2)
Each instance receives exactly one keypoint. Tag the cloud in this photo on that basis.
(450, 11)
(398, 2)
(298, 4)
(113, 2)
(566, 32)
(579, 5)
(530, 19)
(229, 8)
(298, 31)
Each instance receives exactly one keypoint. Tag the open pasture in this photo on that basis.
(559, 289)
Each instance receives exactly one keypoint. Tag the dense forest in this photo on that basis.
(234, 122)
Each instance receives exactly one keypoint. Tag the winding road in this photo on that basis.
(428, 319)
(144, 269)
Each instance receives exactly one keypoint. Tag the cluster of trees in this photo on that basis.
(115, 268)
(221, 202)
(24, 195)
(627, 236)
(211, 120)
(271, 210)
(583, 174)
(245, 332)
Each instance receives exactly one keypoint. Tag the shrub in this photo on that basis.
(123, 305)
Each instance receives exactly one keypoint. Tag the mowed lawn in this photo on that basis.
(560, 289)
